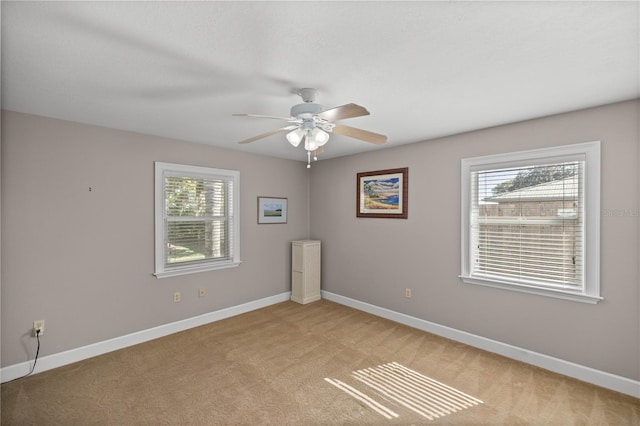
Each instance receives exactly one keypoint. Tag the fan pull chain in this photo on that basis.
(308, 159)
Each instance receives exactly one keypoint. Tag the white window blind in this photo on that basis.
(527, 224)
(530, 221)
(196, 219)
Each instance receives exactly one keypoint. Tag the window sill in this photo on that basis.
(193, 270)
(540, 291)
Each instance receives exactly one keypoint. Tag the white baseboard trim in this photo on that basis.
(577, 371)
(74, 355)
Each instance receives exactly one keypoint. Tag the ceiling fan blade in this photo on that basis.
(272, 132)
(292, 119)
(363, 135)
(342, 112)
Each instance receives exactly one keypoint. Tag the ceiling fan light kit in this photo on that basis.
(295, 137)
(313, 123)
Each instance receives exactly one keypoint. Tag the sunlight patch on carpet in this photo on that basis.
(373, 404)
(421, 394)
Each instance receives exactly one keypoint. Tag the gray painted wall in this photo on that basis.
(82, 260)
(374, 260)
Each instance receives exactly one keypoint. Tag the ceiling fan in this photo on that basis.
(312, 123)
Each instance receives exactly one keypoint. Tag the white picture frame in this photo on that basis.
(272, 210)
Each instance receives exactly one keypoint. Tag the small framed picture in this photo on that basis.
(272, 210)
(383, 193)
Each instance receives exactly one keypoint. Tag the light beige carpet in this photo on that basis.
(315, 364)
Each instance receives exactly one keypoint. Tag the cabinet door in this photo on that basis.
(297, 258)
(297, 286)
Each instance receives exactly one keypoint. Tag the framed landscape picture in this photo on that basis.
(383, 193)
(272, 210)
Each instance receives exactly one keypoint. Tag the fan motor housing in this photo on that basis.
(306, 108)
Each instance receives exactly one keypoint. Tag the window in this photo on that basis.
(197, 219)
(530, 221)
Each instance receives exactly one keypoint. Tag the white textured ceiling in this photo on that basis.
(423, 69)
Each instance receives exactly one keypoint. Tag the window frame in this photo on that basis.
(589, 152)
(233, 260)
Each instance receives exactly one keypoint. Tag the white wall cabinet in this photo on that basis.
(305, 271)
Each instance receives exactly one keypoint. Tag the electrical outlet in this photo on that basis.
(38, 325)
(201, 292)
(176, 296)
(407, 293)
